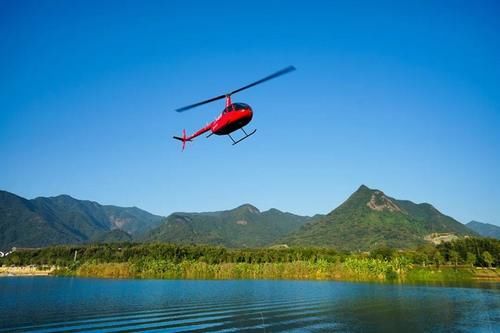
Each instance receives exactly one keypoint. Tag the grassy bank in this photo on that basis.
(442, 275)
(27, 270)
(354, 270)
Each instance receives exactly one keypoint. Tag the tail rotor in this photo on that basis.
(184, 139)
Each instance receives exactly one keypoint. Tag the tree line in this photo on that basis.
(481, 252)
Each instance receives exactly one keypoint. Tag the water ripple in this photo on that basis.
(89, 305)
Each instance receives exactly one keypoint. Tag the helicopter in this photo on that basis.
(234, 116)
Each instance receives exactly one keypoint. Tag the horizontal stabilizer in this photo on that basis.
(184, 138)
(181, 139)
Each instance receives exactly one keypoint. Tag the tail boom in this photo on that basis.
(185, 138)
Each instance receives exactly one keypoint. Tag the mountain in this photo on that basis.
(366, 220)
(485, 229)
(65, 220)
(370, 219)
(244, 226)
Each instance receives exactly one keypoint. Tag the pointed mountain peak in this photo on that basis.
(362, 193)
(363, 188)
(377, 200)
(373, 199)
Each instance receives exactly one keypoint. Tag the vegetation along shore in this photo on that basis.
(460, 260)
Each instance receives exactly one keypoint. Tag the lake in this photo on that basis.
(55, 304)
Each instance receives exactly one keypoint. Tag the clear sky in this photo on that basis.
(400, 97)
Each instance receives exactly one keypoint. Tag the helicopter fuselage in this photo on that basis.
(232, 118)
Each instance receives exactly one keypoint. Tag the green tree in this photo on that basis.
(471, 259)
(14, 259)
(438, 259)
(488, 258)
(454, 256)
(382, 253)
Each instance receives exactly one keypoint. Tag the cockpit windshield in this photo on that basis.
(240, 106)
(237, 107)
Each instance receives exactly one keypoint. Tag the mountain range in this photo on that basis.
(485, 229)
(244, 226)
(366, 220)
(66, 220)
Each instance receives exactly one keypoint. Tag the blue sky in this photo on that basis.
(400, 97)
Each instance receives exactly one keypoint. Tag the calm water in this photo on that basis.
(93, 305)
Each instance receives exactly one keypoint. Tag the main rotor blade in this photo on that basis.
(267, 78)
(199, 103)
(272, 76)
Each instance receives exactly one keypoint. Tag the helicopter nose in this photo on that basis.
(249, 114)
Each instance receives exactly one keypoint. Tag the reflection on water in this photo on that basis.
(94, 305)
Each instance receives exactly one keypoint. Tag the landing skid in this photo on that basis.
(243, 138)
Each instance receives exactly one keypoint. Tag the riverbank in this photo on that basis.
(299, 270)
(486, 274)
(27, 270)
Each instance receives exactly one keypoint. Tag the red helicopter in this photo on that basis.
(233, 117)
